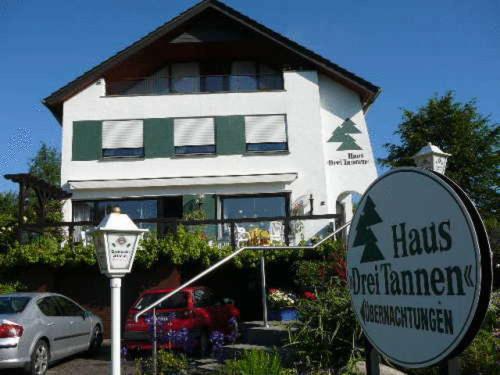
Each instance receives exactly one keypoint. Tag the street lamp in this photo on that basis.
(431, 157)
(116, 239)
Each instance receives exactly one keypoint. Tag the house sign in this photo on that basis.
(419, 267)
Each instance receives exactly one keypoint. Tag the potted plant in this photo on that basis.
(282, 305)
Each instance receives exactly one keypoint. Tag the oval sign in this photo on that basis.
(419, 267)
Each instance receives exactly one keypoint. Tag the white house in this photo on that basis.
(215, 110)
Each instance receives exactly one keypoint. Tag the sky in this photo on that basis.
(413, 49)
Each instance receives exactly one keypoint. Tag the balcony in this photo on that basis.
(165, 85)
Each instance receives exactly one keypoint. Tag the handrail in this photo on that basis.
(229, 257)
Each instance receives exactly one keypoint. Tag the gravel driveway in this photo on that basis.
(83, 364)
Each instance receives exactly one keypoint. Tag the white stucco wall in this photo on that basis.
(313, 106)
(342, 171)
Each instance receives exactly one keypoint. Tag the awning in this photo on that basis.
(183, 181)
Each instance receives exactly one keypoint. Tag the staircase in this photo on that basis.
(253, 336)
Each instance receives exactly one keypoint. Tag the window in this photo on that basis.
(194, 136)
(270, 78)
(254, 206)
(266, 133)
(67, 307)
(243, 76)
(186, 77)
(214, 76)
(203, 298)
(13, 305)
(134, 208)
(49, 307)
(122, 138)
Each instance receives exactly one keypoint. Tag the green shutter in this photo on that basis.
(87, 140)
(158, 137)
(230, 135)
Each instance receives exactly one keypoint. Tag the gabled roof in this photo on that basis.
(368, 91)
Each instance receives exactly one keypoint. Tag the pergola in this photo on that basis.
(43, 190)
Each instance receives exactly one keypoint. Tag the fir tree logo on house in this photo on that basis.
(364, 234)
(341, 134)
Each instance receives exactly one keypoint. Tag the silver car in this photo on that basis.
(39, 328)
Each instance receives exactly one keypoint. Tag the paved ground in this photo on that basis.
(84, 365)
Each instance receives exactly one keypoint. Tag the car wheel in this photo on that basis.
(39, 359)
(204, 344)
(96, 340)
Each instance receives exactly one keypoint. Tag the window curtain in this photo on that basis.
(186, 77)
(243, 76)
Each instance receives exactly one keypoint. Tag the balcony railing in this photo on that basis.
(287, 230)
(195, 84)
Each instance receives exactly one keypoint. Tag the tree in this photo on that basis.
(365, 236)
(46, 164)
(341, 134)
(459, 129)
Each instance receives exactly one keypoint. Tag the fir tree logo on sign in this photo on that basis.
(341, 134)
(364, 234)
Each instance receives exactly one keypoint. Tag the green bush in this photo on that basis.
(183, 247)
(483, 355)
(169, 363)
(317, 274)
(255, 362)
(11, 287)
(327, 332)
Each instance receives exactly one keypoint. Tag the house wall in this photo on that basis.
(346, 171)
(314, 106)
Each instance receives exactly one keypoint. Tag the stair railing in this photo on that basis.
(231, 256)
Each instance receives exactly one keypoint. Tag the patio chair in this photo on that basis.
(276, 231)
(242, 235)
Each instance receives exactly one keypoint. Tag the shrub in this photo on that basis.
(169, 363)
(482, 356)
(327, 332)
(11, 287)
(255, 362)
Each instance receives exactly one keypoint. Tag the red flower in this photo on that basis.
(310, 295)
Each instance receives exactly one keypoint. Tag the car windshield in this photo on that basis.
(13, 305)
(177, 301)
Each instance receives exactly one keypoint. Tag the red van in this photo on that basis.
(194, 312)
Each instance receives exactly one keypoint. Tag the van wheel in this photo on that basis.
(39, 359)
(96, 340)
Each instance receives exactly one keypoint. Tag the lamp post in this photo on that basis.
(431, 157)
(116, 239)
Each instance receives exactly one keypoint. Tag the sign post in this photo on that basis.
(419, 267)
(116, 239)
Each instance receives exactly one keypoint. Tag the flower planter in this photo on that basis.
(284, 314)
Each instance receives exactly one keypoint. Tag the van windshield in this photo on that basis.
(177, 301)
(13, 305)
